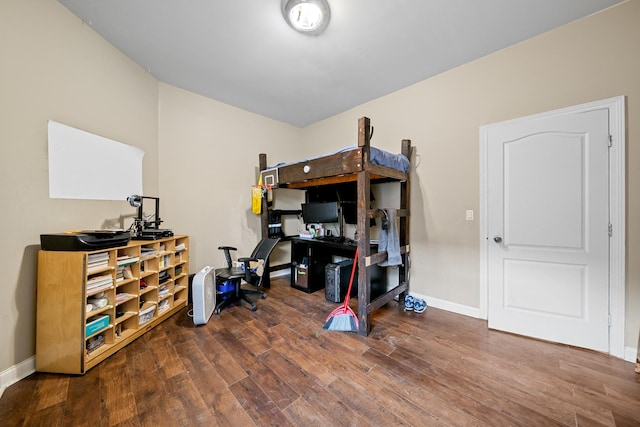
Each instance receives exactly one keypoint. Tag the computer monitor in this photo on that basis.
(320, 212)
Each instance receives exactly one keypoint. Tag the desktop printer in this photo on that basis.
(88, 240)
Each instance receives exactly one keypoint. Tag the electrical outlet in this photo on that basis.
(469, 215)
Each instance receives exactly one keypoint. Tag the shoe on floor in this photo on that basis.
(408, 303)
(419, 305)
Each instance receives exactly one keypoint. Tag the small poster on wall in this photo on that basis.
(87, 166)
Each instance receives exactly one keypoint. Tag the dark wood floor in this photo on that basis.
(277, 366)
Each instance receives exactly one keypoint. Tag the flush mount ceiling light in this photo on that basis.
(309, 17)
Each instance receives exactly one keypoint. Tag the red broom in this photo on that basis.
(343, 318)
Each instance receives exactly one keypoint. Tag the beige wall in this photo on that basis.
(201, 155)
(54, 67)
(208, 162)
(592, 59)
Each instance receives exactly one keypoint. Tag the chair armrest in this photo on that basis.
(247, 268)
(246, 261)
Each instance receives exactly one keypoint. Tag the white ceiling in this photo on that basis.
(241, 52)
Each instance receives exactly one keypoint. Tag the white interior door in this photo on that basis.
(548, 225)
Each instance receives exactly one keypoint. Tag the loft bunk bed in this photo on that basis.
(361, 166)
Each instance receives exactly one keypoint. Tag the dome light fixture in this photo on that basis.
(309, 17)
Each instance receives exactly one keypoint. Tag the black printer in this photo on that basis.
(86, 240)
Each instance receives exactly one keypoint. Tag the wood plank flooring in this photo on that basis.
(277, 366)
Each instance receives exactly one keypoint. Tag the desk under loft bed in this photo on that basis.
(361, 166)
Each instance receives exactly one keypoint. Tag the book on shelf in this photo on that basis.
(180, 247)
(163, 291)
(147, 253)
(164, 276)
(96, 268)
(99, 283)
(98, 260)
(165, 261)
(97, 264)
(100, 256)
(99, 280)
(163, 305)
(124, 272)
(122, 297)
(99, 288)
(126, 259)
(94, 343)
(128, 273)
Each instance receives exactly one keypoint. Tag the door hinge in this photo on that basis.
(610, 229)
(610, 141)
(609, 319)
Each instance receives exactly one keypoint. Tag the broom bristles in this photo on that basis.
(342, 319)
(342, 323)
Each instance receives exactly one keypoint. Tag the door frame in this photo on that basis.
(617, 206)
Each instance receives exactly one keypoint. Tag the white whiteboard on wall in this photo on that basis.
(87, 166)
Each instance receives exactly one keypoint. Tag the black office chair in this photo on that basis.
(253, 272)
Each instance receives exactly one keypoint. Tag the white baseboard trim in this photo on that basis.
(630, 354)
(17, 372)
(278, 273)
(450, 306)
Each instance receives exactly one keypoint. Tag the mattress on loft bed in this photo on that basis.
(390, 160)
(379, 157)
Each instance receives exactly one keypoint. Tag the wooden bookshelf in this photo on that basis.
(77, 289)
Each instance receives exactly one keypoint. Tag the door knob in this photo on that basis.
(497, 239)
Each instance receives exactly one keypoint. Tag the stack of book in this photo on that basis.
(99, 260)
(124, 272)
(163, 291)
(163, 305)
(99, 283)
(165, 261)
(126, 260)
(148, 253)
(164, 276)
(122, 297)
(94, 343)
